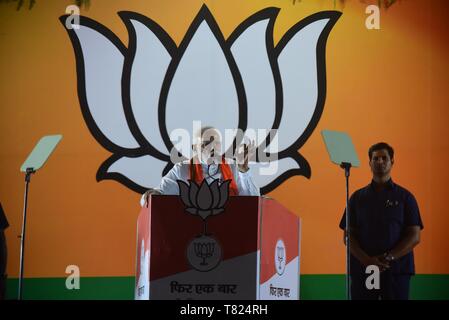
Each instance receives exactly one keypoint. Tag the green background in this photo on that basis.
(313, 287)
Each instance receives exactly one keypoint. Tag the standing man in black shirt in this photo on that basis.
(385, 226)
(3, 253)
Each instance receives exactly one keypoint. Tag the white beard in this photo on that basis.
(206, 158)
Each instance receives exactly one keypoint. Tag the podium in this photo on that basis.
(249, 250)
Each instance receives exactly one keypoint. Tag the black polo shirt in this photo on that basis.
(378, 219)
(3, 221)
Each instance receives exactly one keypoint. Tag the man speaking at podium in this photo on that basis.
(207, 163)
(385, 226)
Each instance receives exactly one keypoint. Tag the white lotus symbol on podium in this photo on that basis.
(133, 97)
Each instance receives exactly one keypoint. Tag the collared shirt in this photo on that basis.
(378, 220)
(180, 171)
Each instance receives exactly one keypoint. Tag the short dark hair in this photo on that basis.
(381, 146)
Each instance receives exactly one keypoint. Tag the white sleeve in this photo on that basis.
(169, 184)
(246, 185)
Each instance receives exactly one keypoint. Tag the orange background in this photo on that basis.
(388, 84)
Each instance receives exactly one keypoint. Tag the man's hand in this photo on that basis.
(377, 261)
(149, 192)
(244, 153)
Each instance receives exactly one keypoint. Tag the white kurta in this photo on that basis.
(180, 171)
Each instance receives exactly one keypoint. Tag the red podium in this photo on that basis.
(249, 249)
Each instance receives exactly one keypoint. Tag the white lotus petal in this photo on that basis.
(202, 89)
(264, 173)
(148, 71)
(145, 171)
(250, 53)
(103, 65)
(298, 68)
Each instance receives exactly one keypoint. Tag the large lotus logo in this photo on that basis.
(133, 97)
(204, 200)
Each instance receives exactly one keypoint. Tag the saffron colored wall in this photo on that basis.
(382, 85)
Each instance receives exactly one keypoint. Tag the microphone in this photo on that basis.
(212, 161)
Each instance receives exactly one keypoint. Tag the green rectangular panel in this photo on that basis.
(340, 147)
(41, 152)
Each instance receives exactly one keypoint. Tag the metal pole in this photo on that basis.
(347, 167)
(22, 235)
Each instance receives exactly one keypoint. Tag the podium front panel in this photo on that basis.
(225, 254)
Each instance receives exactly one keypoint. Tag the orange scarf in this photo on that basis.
(196, 174)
